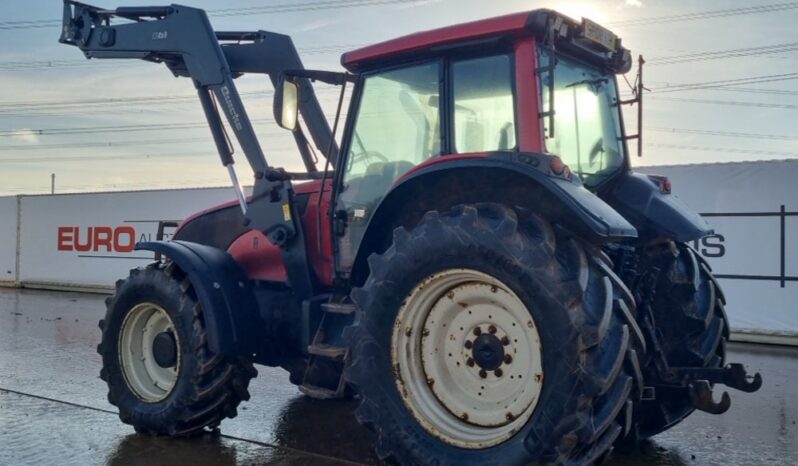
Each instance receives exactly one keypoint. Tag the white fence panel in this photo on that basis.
(86, 240)
(8, 240)
(753, 207)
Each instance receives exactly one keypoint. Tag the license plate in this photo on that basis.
(599, 34)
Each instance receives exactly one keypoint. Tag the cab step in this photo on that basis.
(320, 393)
(338, 308)
(327, 351)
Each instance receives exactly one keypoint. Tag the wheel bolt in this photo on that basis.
(468, 344)
(505, 340)
(498, 372)
(508, 359)
(477, 331)
(483, 374)
(492, 329)
(470, 362)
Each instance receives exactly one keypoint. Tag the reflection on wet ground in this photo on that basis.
(53, 408)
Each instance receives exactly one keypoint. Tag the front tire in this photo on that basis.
(562, 398)
(181, 388)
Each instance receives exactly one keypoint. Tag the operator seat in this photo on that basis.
(369, 189)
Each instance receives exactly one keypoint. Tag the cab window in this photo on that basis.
(484, 115)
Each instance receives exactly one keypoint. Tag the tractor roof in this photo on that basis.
(530, 23)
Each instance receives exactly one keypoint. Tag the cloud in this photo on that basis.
(636, 3)
(318, 24)
(26, 135)
(405, 6)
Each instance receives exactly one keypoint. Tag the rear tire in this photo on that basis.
(581, 317)
(202, 387)
(690, 325)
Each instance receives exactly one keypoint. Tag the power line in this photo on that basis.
(724, 54)
(11, 107)
(726, 102)
(341, 4)
(107, 129)
(733, 134)
(774, 7)
(727, 150)
(25, 65)
(726, 82)
(86, 145)
(293, 7)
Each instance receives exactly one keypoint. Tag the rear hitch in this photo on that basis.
(732, 375)
(698, 383)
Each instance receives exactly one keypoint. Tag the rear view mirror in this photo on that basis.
(286, 103)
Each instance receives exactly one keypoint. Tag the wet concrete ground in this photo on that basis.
(53, 408)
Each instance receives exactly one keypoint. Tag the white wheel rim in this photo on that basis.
(148, 381)
(443, 382)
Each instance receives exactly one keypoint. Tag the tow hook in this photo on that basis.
(699, 383)
(701, 398)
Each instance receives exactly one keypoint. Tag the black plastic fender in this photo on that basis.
(518, 179)
(224, 292)
(653, 212)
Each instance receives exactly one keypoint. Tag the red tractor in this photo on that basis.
(476, 262)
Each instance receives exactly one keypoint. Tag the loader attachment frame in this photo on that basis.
(183, 39)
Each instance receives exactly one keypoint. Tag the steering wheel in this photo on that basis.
(366, 156)
(598, 148)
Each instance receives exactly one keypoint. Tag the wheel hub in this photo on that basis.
(149, 352)
(164, 349)
(488, 352)
(469, 358)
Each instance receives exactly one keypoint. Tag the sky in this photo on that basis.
(121, 125)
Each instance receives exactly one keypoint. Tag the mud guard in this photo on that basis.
(224, 292)
(654, 213)
(522, 179)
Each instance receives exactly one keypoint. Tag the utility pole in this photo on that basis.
(52, 183)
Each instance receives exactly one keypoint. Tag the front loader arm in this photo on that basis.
(183, 39)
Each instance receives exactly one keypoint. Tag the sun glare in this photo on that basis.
(578, 10)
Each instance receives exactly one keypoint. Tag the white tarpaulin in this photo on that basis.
(86, 240)
(753, 207)
(8, 240)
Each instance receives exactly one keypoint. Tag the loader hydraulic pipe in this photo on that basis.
(216, 127)
(242, 199)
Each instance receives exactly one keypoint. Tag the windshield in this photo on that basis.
(587, 134)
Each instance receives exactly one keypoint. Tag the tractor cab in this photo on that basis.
(535, 82)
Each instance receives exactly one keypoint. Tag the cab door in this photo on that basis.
(397, 126)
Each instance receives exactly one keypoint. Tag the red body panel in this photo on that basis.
(530, 138)
(514, 24)
(262, 260)
(259, 258)
(439, 160)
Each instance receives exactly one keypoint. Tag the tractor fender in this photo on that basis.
(653, 210)
(516, 179)
(228, 302)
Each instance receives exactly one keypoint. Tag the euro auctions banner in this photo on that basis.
(753, 207)
(87, 240)
(8, 240)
